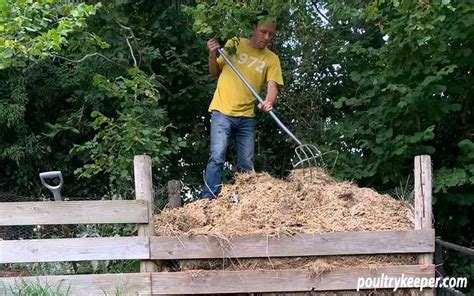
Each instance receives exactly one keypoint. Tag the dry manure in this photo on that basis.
(301, 204)
(304, 203)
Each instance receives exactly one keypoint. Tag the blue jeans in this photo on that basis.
(223, 129)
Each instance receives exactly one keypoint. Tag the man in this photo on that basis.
(233, 104)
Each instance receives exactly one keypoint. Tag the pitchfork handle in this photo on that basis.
(257, 96)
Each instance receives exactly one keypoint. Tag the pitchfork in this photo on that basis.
(307, 154)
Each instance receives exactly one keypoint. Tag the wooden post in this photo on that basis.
(174, 194)
(423, 204)
(144, 191)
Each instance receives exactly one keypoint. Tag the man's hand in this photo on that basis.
(266, 106)
(270, 99)
(213, 46)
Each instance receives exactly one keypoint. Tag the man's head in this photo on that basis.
(263, 30)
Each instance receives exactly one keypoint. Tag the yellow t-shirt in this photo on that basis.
(258, 66)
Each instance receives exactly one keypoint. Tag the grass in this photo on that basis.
(37, 288)
(23, 288)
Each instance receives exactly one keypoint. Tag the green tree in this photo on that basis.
(408, 91)
(98, 94)
(30, 31)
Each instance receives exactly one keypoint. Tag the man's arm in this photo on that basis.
(270, 99)
(213, 45)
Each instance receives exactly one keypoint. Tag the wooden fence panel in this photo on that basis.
(205, 282)
(74, 249)
(73, 212)
(94, 284)
(336, 243)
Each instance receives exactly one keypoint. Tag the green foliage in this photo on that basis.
(13, 109)
(452, 178)
(400, 86)
(48, 106)
(33, 30)
(185, 91)
(232, 18)
(404, 89)
(140, 127)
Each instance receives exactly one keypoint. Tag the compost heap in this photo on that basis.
(307, 202)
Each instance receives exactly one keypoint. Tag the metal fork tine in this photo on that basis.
(308, 157)
(308, 160)
(313, 155)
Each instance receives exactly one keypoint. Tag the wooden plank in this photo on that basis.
(144, 192)
(336, 243)
(73, 212)
(74, 249)
(97, 284)
(206, 282)
(423, 204)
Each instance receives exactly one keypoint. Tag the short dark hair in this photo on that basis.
(263, 16)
